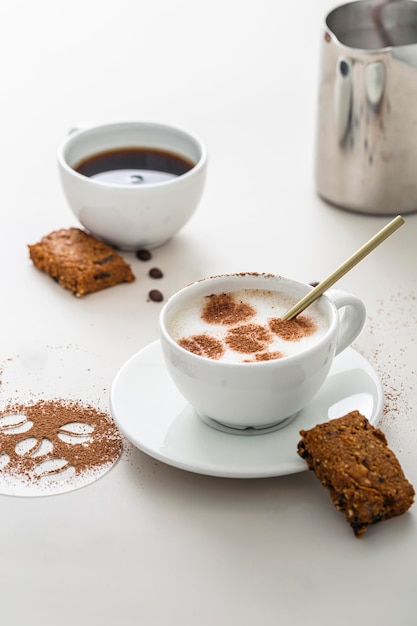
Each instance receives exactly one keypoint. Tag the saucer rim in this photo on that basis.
(279, 468)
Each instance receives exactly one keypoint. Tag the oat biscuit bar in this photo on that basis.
(79, 262)
(352, 460)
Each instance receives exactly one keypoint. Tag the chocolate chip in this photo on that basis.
(143, 255)
(155, 295)
(314, 284)
(102, 276)
(105, 260)
(155, 272)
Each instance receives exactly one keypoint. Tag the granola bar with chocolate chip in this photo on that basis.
(351, 458)
(79, 262)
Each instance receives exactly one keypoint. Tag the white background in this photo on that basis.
(148, 543)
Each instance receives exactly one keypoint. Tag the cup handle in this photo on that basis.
(351, 319)
(80, 126)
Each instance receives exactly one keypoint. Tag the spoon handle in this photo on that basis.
(344, 268)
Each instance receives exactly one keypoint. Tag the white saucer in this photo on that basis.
(156, 418)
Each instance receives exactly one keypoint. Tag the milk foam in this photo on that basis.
(267, 304)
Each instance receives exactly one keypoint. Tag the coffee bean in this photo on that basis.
(155, 295)
(155, 272)
(143, 255)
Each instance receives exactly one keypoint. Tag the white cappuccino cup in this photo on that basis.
(237, 362)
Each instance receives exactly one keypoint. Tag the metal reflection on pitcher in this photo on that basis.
(366, 151)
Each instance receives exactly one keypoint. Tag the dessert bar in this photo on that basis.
(79, 262)
(352, 460)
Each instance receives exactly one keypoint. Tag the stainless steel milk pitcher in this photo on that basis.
(366, 153)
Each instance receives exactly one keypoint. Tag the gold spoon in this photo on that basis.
(344, 268)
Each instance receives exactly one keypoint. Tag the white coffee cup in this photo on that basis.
(132, 215)
(259, 394)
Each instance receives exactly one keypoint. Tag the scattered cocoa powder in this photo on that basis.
(203, 345)
(389, 344)
(248, 338)
(293, 330)
(53, 421)
(224, 309)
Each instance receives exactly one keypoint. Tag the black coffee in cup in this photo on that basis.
(133, 166)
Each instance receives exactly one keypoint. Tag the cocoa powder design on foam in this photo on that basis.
(248, 338)
(203, 345)
(55, 422)
(224, 309)
(293, 330)
(264, 356)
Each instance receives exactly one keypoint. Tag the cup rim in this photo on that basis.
(277, 363)
(73, 135)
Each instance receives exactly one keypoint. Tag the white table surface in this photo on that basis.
(149, 543)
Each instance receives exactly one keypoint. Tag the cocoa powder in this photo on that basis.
(293, 330)
(395, 366)
(54, 422)
(203, 345)
(265, 356)
(248, 338)
(224, 309)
